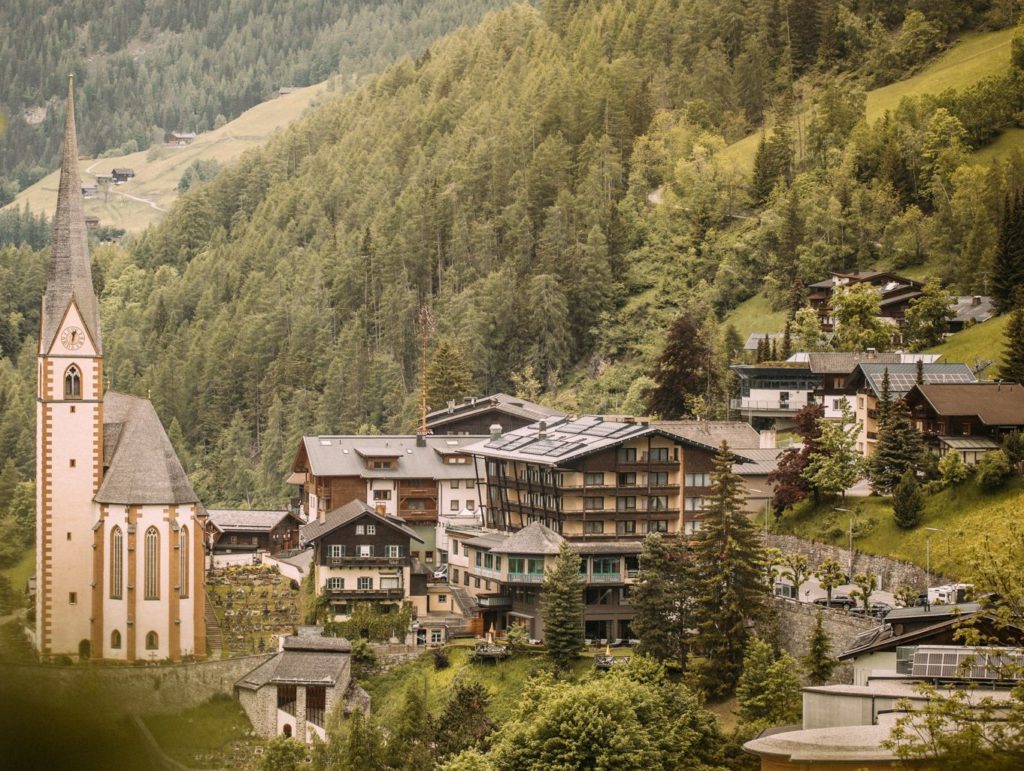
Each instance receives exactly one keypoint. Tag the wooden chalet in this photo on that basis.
(240, 530)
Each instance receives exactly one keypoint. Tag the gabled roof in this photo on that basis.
(229, 520)
(563, 440)
(340, 455)
(845, 363)
(902, 377)
(883, 638)
(70, 269)
(501, 402)
(343, 515)
(994, 404)
(535, 538)
(301, 667)
(738, 434)
(756, 337)
(972, 308)
(143, 467)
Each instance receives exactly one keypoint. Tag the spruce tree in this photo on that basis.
(660, 598)
(1012, 368)
(768, 690)
(787, 339)
(463, 722)
(899, 448)
(907, 501)
(818, 663)
(449, 375)
(1008, 265)
(409, 745)
(728, 581)
(562, 605)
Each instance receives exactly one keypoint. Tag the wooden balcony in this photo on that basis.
(365, 595)
(361, 562)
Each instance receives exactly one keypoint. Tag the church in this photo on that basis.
(119, 529)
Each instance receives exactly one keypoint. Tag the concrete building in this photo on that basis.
(293, 693)
(119, 530)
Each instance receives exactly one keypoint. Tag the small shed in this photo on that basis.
(183, 137)
(122, 174)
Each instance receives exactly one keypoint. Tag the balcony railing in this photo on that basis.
(351, 561)
(526, 578)
(605, 578)
(765, 404)
(366, 594)
(488, 572)
(493, 601)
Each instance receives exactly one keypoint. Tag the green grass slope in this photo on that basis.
(755, 315)
(975, 56)
(970, 518)
(145, 199)
(19, 572)
(982, 342)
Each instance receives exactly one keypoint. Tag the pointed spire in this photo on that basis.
(70, 275)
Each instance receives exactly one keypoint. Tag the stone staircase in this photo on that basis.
(214, 634)
(467, 606)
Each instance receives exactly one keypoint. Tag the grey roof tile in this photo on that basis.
(244, 519)
(346, 456)
(345, 514)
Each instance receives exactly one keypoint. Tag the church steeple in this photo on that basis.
(70, 274)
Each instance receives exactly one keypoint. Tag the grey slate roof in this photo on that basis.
(736, 433)
(309, 667)
(763, 462)
(511, 405)
(757, 337)
(316, 642)
(970, 309)
(229, 520)
(143, 467)
(535, 538)
(70, 270)
(844, 363)
(332, 456)
(902, 377)
(345, 514)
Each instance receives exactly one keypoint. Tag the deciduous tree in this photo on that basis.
(768, 691)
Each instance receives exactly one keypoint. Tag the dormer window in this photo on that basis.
(73, 383)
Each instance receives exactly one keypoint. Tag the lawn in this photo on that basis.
(970, 518)
(504, 680)
(157, 172)
(213, 735)
(20, 571)
(982, 342)
(755, 315)
(975, 56)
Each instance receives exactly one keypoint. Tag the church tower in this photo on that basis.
(69, 423)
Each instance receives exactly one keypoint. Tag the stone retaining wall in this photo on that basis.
(795, 622)
(137, 689)
(892, 574)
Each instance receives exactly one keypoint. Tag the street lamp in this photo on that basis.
(852, 514)
(928, 554)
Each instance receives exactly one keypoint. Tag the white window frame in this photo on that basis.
(364, 583)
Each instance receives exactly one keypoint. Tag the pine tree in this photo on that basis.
(660, 598)
(463, 722)
(562, 606)
(885, 399)
(787, 339)
(1008, 265)
(449, 375)
(364, 748)
(768, 691)
(409, 744)
(907, 501)
(818, 663)
(899, 448)
(728, 579)
(1012, 368)
(835, 464)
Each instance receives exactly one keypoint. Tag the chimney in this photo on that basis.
(767, 440)
(495, 431)
(872, 352)
(421, 439)
(976, 300)
(542, 430)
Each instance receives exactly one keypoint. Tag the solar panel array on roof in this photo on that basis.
(904, 381)
(967, 663)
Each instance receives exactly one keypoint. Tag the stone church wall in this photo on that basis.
(137, 689)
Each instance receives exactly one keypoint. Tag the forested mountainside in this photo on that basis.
(553, 185)
(146, 67)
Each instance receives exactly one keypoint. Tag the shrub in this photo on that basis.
(953, 469)
(993, 470)
(441, 659)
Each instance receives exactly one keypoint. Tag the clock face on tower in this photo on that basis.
(72, 338)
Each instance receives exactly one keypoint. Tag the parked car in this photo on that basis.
(839, 600)
(876, 609)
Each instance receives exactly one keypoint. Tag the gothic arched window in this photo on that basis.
(183, 562)
(115, 640)
(116, 564)
(152, 582)
(73, 382)
(152, 641)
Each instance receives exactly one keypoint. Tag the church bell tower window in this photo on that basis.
(73, 383)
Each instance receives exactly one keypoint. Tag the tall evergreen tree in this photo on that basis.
(409, 744)
(907, 501)
(768, 691)
(835, 464)
(1008, 265)
(660, 596)
(787, 339)
(1012, 367)
(449, 375)
(819, 663)
(898, 449)
(729, 585)
(463, 722)
(562, 605)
